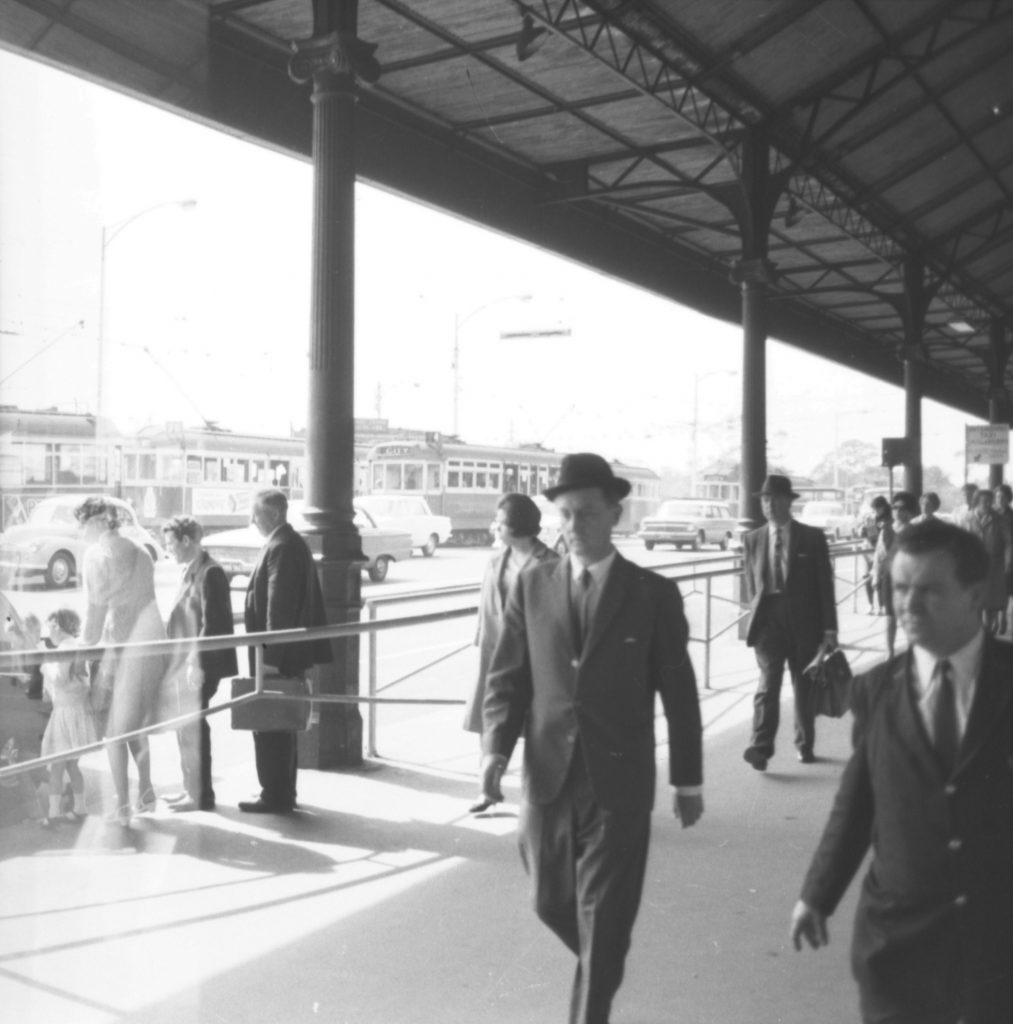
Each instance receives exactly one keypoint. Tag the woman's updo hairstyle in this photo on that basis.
(94, 506)
(522, 515)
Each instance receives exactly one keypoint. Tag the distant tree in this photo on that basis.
(853, 462)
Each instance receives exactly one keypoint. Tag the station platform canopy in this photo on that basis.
(624, 134)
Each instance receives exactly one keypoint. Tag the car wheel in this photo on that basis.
(649, 544)
(60, 570)
(429, 548)
(378, 571)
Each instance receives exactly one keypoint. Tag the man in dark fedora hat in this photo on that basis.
(790, 591)
(587, 642)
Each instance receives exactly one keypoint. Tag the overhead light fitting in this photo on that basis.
(961, 327)
(531, 39)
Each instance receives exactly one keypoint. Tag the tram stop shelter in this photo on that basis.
(837, 174)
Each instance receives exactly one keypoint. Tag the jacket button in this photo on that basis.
(949, 789)
(574, 663)
(960, 901)
(955, 844)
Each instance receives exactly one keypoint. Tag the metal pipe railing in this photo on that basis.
(17, 660)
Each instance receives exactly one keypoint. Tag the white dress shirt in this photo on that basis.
(965, 665)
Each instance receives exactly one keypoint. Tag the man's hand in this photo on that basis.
(829, 640)
(688, 808)
(493, 767)
(809, 924)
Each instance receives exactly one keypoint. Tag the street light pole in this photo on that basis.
(459, 322)
(109, 233)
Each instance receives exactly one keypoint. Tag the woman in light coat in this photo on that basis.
(516, 526)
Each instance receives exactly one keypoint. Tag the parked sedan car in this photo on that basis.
(237, 550)
(690, 521)
(411, 513)
(49, 543)
(830, 517)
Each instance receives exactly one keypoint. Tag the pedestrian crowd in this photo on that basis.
(127, 689)
(575, 652)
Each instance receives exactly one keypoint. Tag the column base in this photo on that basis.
(336, 741)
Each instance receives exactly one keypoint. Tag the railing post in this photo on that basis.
(258, 668)
(707, 635)
(372, 708)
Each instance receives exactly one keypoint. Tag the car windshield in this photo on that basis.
(679, 508)
(48, 512)
(823, 508)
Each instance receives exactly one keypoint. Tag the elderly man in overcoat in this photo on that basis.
(588, 642)
(928, 787)
(283, 593)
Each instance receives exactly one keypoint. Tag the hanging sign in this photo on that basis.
(987, 446)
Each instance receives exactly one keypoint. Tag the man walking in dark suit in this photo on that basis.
(928, 787)
(790, 590)
(283, 593)
(203, 608)
(587, 643)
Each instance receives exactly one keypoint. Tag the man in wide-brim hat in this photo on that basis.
(587, 642)
(790, 591)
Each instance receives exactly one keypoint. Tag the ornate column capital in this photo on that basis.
(337, 53)
(755, 271)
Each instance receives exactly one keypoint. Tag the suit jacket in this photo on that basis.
(602, 698)
(809, 586)
(284, 593)
(933, 918)
(204, 608)
(491, 608)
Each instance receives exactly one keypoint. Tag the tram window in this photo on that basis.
(279, 473)
(91, 468)
(171, 468)
(391, 477)
(35, 463)
(413, 476)
(480, 479)
(432, 477)
(509, 478)
(468, 478)
(68, 464)
(453, 479)
(377, 484)
(494, 480)
(212, 471)
(194, 470)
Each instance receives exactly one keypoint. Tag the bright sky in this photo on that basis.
(207, 309)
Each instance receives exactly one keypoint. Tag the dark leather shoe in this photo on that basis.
(259, 807)
(806, 757)
(756, 758)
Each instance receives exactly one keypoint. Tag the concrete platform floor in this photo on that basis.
(382, 901)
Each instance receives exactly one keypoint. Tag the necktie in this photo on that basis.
(944, 719)
(580, 606)
(778, 560)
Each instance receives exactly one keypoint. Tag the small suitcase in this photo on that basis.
(267, 714)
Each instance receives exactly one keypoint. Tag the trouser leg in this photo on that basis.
(805, 718)
(276, 767)
(587, 869)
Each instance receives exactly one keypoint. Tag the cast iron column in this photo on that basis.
(913, 420)
(915, 302)
(331, 60)
(998, 412)
(753, 277)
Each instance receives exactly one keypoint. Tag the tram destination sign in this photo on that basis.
(987, 446)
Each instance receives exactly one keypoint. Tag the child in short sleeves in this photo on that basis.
(72, 723)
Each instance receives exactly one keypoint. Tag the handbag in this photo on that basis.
(265, 714)
(830, 675)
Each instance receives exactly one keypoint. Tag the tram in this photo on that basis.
(43, 452)
(207, 473)
(466, 481)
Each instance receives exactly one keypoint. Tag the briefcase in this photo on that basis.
(267, 714)
(831, 678)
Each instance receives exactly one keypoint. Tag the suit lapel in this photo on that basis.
(991, 695)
